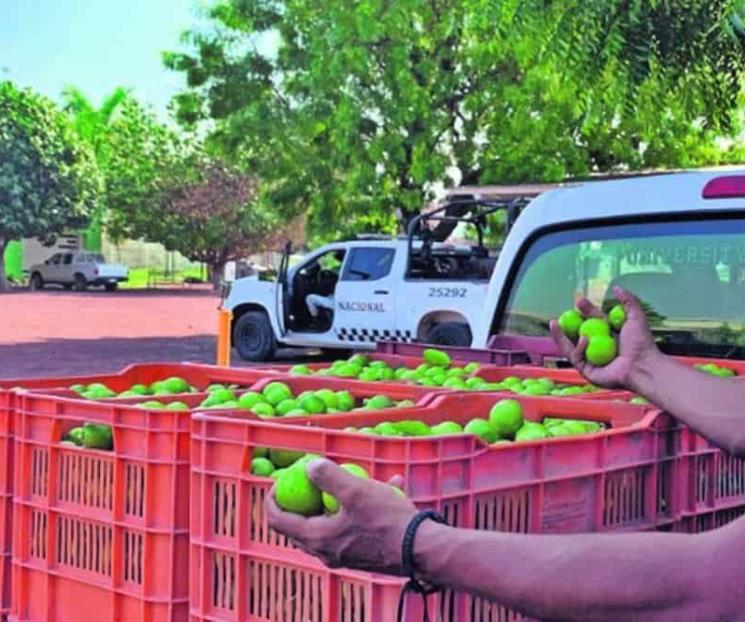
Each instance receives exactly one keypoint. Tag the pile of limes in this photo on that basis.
(99, 391)
(716, 370)
(602, 346)
(276, 399)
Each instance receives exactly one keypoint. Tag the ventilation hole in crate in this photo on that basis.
(624, 498)
(276, 592)
(486, 611)
(39, 472)
(446, 608)
(224, 510)
(451, 512)
(85, 480)
(134, 475)
(84, 545)
(703, 469)
(731, 476)
(664, 482)
(259, 530)
(38, 534)
(505, 511)
(352, 602)
(724, 517)
(133, 546)
(223, 581)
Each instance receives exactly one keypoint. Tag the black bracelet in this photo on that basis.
(407, 547)
(407, 561)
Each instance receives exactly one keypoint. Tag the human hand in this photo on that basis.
(366, 533)
(635, 345)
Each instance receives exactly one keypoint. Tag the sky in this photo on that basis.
(95, 45)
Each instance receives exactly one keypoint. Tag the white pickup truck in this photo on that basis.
(77, 270)
(417, 287)
(676, 240)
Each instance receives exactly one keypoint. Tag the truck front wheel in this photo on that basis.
(450, 334)
(253, 337)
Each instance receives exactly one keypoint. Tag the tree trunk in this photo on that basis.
(3, 281)
(217, 272)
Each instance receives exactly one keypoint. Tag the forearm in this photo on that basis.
(714, 407)
(655, 577)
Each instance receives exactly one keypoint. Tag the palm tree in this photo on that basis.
(91, 124)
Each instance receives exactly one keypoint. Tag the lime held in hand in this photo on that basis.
(331, 503)
(570, 322)
(601, 350)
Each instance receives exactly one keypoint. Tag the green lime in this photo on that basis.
(406, 404)
(276, 392)
(261, 467)
(139, 389)
(220, 396)
(531, 431)
(287, 406)
(413, 428)
(177, 406)
(446, 427)
(152, 405)
(215, 387)
(282, 458)
(617, 317)
(331, 503)
(345, 401)
(386, 428)
(249, 399)
(506, 417)
(294, 492)
(78, 388)
(436, 358)
(594, 327)
(481, 428)
(76, 436)
(367, 430)
(329, 398)
(570, 323)
(261, 452)
(262, 409)
(97, 436)
(301, 370)
(312, 404)
(475, 383)
(176, 385)
(472, 367)
(601, 350)
(379, 402)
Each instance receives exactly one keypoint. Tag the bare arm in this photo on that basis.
(714, 407)
(655, 577)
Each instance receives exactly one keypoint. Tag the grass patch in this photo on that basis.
(142, 278)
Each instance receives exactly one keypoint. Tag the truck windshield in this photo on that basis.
(690, 277)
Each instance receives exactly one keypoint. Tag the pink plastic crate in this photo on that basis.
(100, 535)
(616, 480)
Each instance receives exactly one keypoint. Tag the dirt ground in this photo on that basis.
(67, 333)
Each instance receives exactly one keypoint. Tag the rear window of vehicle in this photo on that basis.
(91, 258)
(689, 276)
(368, 264)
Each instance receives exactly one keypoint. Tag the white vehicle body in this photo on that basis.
(386, 305)
(682, 251)
(78, 269)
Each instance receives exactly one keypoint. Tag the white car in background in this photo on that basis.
(77, 270)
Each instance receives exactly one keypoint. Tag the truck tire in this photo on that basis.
(37, 282)
(79, 283)
(111, 287)
(253, 337)
(450, 334)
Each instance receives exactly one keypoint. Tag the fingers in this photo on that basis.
(287, 523)
(397, 481)
(577, 354)
(562, 341)
(587, 309)
(331, 478)
(631, 303)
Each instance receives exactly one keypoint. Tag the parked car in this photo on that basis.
(77, 270)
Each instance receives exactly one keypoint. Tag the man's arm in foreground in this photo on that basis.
(713, 406)
(651, 577)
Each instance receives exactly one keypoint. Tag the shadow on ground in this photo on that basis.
(68, 357)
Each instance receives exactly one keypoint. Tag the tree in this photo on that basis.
(364, 106)
(214, 217)
(92, 125)
(48, 179)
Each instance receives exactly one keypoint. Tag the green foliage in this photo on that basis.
(48, 178)
(366, 105)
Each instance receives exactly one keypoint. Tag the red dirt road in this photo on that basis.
(64, 333)
(39, 316)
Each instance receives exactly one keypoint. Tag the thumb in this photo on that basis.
(331, 478)
(630, 302)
